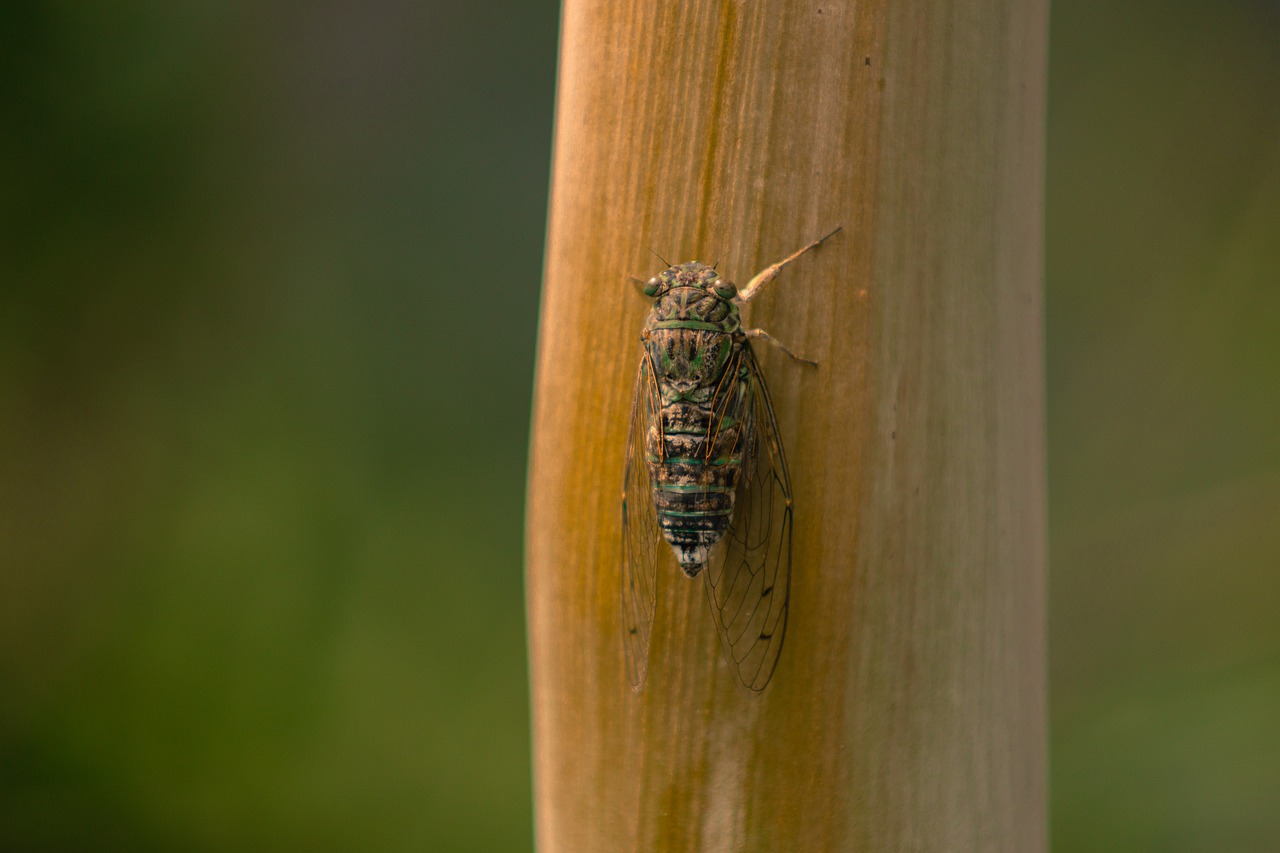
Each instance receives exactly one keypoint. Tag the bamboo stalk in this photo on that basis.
(908, 708)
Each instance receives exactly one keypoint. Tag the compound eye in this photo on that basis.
(725, 289)
(651, 287)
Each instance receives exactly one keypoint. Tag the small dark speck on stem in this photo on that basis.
(866, 61)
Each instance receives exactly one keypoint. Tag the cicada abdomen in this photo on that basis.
(706, 471)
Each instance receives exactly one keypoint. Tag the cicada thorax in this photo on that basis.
(695, 448)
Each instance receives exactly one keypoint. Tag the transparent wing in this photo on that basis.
(641, 537)
(749, 583)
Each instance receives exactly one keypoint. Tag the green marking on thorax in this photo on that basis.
(724, 325)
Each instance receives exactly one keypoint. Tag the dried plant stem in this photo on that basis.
(907, 711)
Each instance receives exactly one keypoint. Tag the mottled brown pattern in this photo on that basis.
(694, 345)
(706, 475)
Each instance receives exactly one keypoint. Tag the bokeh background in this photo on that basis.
(268, 293)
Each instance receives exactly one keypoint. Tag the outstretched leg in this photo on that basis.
(765, 336)
(769, 273)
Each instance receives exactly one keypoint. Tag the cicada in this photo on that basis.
(706, 471)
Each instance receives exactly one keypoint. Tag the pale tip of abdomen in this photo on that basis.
(692, 559)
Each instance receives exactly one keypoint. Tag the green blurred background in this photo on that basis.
(268, 292)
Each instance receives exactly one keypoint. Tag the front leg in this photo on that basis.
(769, 273)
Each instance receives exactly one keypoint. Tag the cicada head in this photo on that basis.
(691, 274)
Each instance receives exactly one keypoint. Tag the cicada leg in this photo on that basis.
(770, 272)
(765, 336)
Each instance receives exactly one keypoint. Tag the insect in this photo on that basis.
(706, 470)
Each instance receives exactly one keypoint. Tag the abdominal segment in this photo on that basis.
(695, 450)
